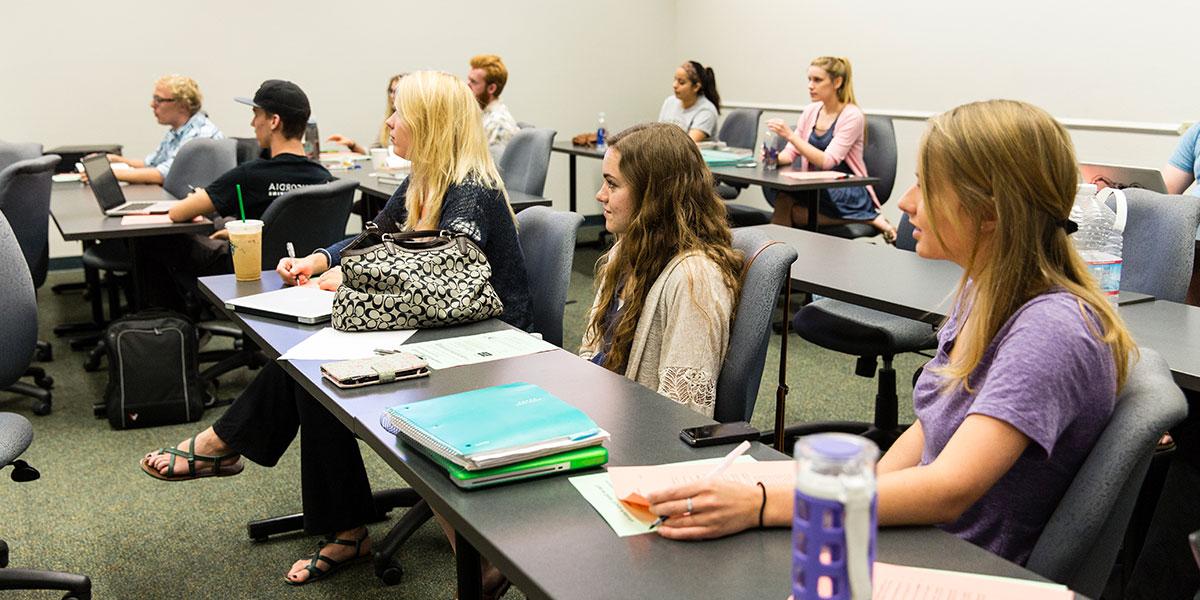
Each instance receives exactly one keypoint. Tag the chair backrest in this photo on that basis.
(879, 154)
(198, 163)
(904, 234)
(1159, 243)
(11, 152)
(740, 127)
(18, 320)
(310, 217)
(524, 125)
(1079, 544)
(737, 385)
(25, 202)
(548, 244)
(247, 149)
(526, 159)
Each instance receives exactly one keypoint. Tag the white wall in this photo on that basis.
(83, 72)
(1095, 59)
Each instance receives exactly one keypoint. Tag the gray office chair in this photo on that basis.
(739, 129)
(872, 336)
(526, 159)
(1159, 243)
(548, 244)
(768, 267)
(1079, 544)
(18, 334)
(879, 154)
(524, 125)
(247, 149)
(198, 163)
(310, 217)
(11, 152)
(25, 202)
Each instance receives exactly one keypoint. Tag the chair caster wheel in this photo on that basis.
(46, 383)
(390, 574)
(45, 354)
(41, 408)
(91, 365)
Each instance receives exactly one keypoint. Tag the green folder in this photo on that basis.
(717, 158)
(571, 460)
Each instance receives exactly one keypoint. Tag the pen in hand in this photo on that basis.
(716, 472)
(291, 250)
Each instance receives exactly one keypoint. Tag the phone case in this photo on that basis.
(370, 371)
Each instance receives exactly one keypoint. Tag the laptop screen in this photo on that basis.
(104, 184)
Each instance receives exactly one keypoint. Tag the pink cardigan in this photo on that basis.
(847, 142)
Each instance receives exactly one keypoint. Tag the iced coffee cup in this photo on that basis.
(379, 158)
(245, 245)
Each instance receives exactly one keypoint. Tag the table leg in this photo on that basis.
(571, 179)
(781, 391)
(466, 562)
(137, 299)
(812, 197)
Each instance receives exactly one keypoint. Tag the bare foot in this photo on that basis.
(338, 552)
(207, 444)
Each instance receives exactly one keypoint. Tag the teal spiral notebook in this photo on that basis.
(494, 426)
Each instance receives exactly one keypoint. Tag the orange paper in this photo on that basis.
(631, 483)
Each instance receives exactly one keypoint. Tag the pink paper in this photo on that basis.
(892, 582)
(631, 483)
(812, 175)
(151, 220)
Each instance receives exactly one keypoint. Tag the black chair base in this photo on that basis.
(387, 566)
(43, 399)
(43, 351)
(78, 587)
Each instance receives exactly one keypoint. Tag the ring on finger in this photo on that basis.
(689, 504)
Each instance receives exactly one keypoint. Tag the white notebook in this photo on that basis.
(303, 304)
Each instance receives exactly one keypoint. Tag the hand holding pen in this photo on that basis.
(689, 504)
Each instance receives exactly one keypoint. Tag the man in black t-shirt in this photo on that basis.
(281, 112)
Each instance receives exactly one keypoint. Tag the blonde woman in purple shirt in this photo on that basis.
(1028, 365)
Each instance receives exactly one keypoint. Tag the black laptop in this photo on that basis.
(109, 195)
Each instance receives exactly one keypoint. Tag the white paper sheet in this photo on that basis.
(331, 344)
(483, 347)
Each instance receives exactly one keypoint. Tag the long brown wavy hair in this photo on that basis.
(675, 211)
(1011, 163)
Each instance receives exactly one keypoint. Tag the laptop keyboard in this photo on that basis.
(135, 206)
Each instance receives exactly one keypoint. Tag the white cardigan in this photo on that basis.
(682, 334)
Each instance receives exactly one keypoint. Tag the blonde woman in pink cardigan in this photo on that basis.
(830, 137)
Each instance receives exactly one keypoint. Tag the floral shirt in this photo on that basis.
(499, 126)
(199, 126)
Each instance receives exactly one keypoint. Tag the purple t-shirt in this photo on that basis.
(1045, 373)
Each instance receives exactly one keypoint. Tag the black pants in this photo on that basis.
(261, 424)
(1165, 569)
(173, 262)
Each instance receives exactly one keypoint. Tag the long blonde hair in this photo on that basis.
(838, 66)
(675, 211)
(448, 144)
(1012, 164)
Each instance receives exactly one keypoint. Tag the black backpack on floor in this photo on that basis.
(153, 371)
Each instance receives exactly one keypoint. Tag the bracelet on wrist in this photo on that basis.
(763, 507)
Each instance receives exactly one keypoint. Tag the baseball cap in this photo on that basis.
(281, 97)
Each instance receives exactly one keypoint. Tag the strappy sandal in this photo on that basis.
(316, 573)
(190, 455)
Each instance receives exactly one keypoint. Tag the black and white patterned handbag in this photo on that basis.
(413, 280)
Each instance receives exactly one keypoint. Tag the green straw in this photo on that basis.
(241, 205)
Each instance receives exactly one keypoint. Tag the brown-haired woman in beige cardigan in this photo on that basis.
(667, 290)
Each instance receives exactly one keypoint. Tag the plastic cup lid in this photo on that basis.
(246, 226)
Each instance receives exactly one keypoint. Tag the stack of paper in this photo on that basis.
(718, 158)
(812, 175)
(895, 582)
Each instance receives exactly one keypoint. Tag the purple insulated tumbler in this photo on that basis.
(833, 530)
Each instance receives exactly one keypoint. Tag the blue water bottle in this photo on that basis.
(834, 528)
(601, 134)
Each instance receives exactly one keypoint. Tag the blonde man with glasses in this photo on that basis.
(176, 104)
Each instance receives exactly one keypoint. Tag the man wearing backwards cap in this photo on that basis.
(281, 112)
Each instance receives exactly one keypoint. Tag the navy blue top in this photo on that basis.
(845, 203)
(482, 214)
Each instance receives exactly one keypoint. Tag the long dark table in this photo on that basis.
(572, 151)
(376, 193)
(78, 217)
(806, 191)
(542, 534)
(904, 284)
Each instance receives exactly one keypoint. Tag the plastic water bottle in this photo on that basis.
(312, 141)
(601, 134)
(834, 528)
(1100, 235)
(770, 153)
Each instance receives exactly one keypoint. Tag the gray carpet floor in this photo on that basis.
(94, 512)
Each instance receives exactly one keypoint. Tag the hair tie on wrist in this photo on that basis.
(763, 507)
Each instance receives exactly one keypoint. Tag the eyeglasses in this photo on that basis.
(157, 100)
